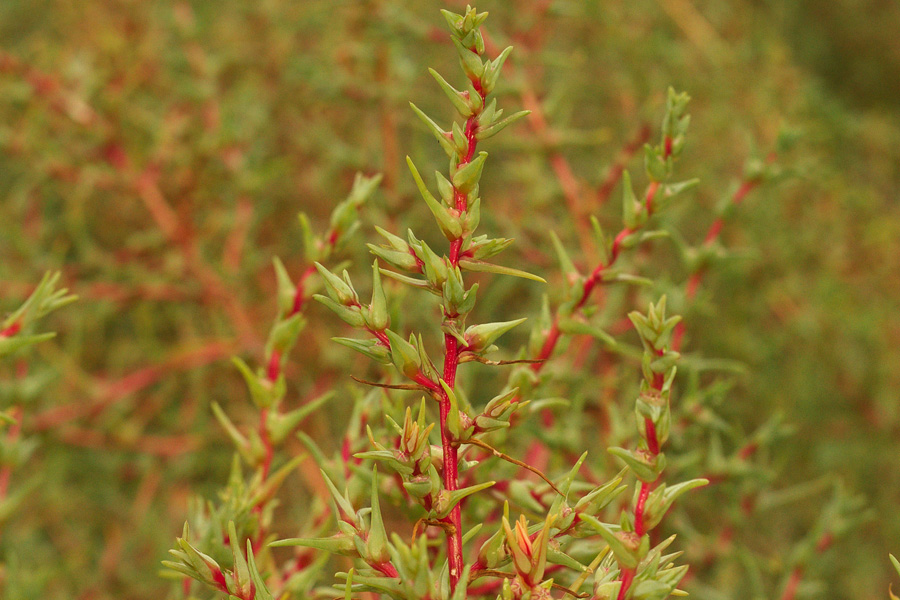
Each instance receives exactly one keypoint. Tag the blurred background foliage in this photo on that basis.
(158, 153)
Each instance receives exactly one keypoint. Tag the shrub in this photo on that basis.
(456, 463)
(157, 154)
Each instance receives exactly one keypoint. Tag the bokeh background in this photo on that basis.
(157, 153)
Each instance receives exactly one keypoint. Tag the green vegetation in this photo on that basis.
(157, 156)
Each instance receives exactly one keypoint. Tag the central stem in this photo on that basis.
(451, 459)
(451, 362)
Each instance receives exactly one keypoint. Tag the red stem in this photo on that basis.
(790, 590)
(387, 569)
(639, 527)
(747, 186)
(596, 275)
(11, 330)
(300, 293)
(627, 578)
(267, 443)
(451, 362)
(615, 172)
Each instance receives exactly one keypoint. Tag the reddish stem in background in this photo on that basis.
(11, 330)
(267, 443)
(595, 277)
(568, 181)
(790, 590)
(747, 186)
(300, 297)
(615, 172)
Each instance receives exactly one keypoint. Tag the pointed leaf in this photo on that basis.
(448, 500)
(438, 133)
(495, 128)
(378, 317)
(370, 348)
(284, 424)
(479, 337)
(455, 96)
(468, 175)
(449, 224)
(485, 267)
(377, 544)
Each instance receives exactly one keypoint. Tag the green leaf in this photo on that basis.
(662, 498)
(239, 565)
(600, 238)
(447, 500)
(439, 134)
(601, 496)
(396, 258)
(631, 208)
(371, 348)
(673, 189)
(480, 337)
(626, 546)
(310, 243)
(471, 217)
(460, 141)
(267, 490)
(262, 592)
(470, 61)
(436, 267)
(410, 281)
(492, 70)
(645, 466)
(396, 242)
(43, 300)
(390, 458)
(454, 20)
(378, 317)
(404, 355)
(497, 127)
(283, 425)
(482, 247)
(376, 543)
(263, 392)
(454, 427)
(445, 188)
(284, 333)
(578, 326)
(286, 288)
(449, 224)
(467, 176)
(896, 564)
(343, 508)
(455, 96)
(612, 276)
(565, 263)
(352, 314)
(484, 267)
(338, 289)
(336, 544)
(8, 345)
(240, 442)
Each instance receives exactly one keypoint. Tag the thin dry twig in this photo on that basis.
(512, 460)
